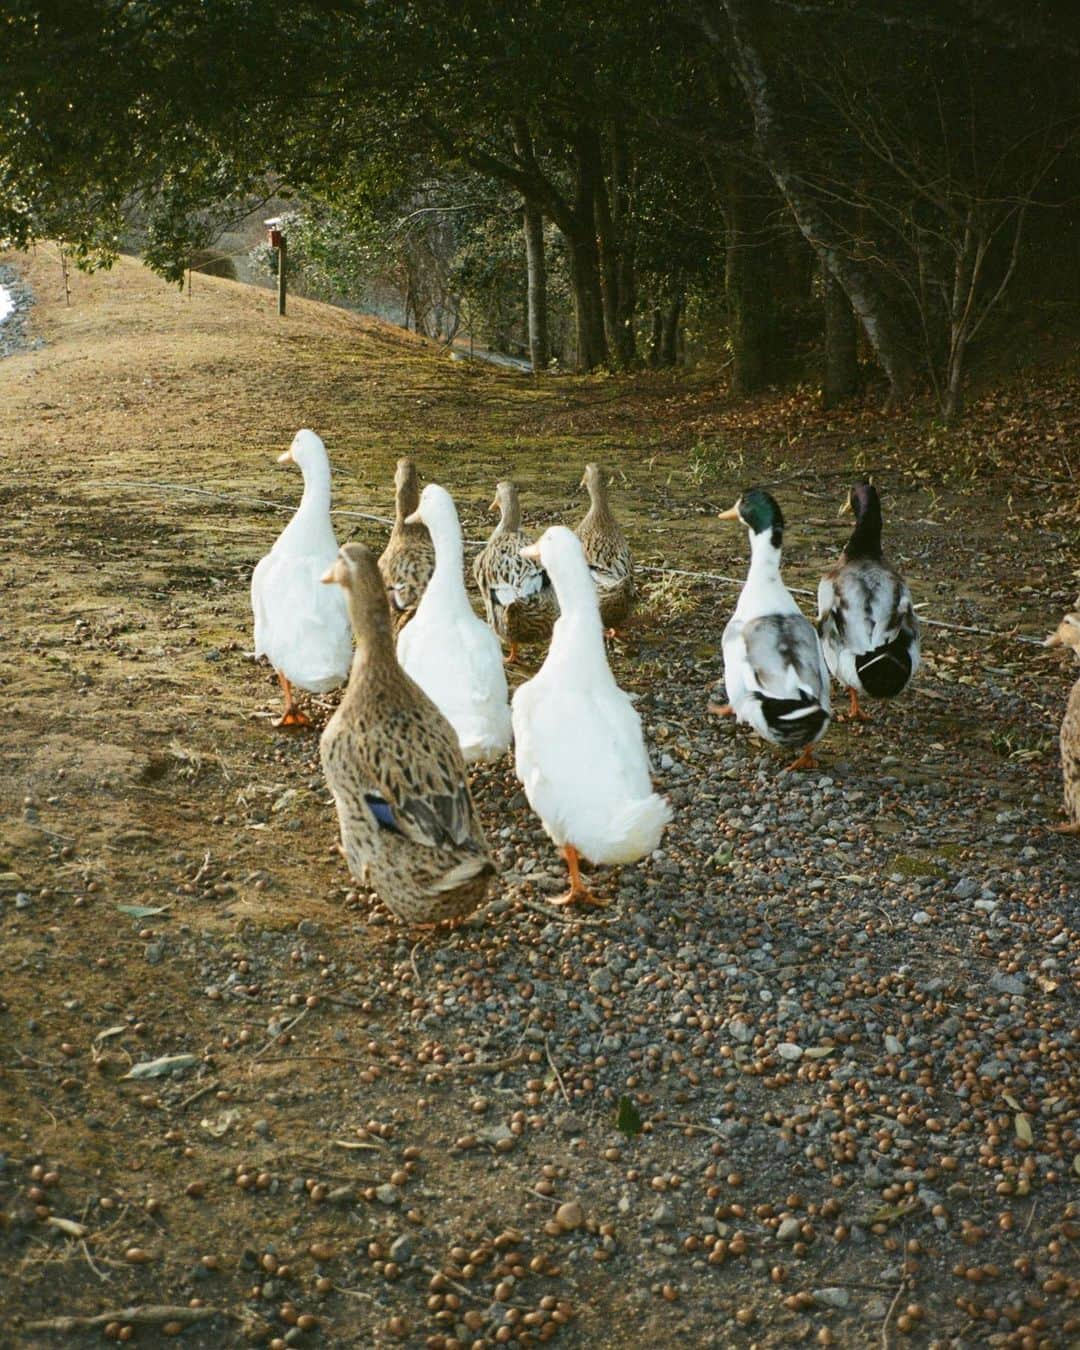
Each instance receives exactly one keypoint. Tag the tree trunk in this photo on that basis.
(616, 254)
(656, 338)
(749, 284)
(535, 260)
(585, 263)
(841, 340)
(588, 304)
(576, 221)
(877, 316)
(669, 335)
(536, 266)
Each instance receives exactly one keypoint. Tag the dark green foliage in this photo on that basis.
(673, 153)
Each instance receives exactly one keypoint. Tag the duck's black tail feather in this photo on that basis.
(793, 721)
(887, 669)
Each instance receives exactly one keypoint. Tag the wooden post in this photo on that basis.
(281, 276)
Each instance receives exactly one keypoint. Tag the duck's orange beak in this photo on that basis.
(732, 513)
(285, 457)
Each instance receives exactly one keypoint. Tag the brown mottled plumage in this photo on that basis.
(408, 560)
(1067, 634)
(519, 599)
(409, 828)
(606, 552)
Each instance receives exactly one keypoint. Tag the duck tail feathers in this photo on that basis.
(633, 831)
(885, 671)
(794, 721)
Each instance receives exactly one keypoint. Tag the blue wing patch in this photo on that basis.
(381, 809)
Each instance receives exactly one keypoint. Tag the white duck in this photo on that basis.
(774, 669)
(452, 654)
(301, 626)
(580, 753)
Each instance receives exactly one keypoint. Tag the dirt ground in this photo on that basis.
(343, 1160)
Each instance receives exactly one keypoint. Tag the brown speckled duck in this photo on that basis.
(408, 560)
(1067, 634)
(607, 553)
(519, 598)
(409, 829)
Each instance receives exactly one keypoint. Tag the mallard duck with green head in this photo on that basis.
(867, 622)
(774, 671)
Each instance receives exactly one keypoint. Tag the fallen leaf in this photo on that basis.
(68, 1226)
(221, 1125)
(110, 1032)
(1023, 1128)
(142, 911)
(158, 1068)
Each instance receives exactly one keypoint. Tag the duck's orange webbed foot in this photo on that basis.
(805, 760)
(579, 893)
(855, 713)
(292, 716)
(513, 656)
(1067, 827)
(721, 709)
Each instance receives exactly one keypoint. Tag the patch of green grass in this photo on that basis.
(712, 462)
(909, 865)
(668, 597)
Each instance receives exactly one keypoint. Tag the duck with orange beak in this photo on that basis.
(774, 670)
(579, 749)
(447, 649)
(301, 627)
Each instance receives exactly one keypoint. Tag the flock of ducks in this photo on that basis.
(426, 685)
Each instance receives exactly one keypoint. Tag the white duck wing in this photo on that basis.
(783, 657)
(260, 581)
(777, 678)
(869, 627)
(458, 664)
(301, 625)
(485, 702)
(581, 758)
(738, 673)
